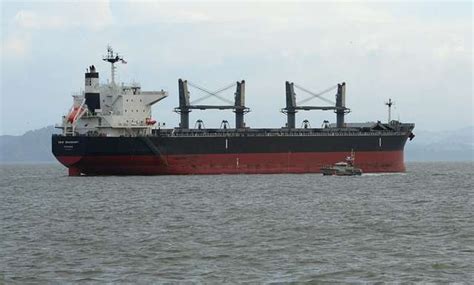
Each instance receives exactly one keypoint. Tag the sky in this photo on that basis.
(419, 54)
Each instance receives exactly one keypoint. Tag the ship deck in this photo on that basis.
(265, 132)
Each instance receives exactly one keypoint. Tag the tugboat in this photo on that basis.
(343, 168)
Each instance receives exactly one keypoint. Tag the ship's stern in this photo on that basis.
(69, 151)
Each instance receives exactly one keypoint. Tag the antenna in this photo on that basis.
(389, 104)
(112, 58)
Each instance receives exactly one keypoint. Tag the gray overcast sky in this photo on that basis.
(419, 54)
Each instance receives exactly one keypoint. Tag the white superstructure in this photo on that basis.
(111, 109)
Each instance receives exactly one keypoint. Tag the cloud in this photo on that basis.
(290, 29)
(50, 16)
(86, 14)
(16, 45)
(279, 14)
(411, 52)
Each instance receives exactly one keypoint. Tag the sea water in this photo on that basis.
(416, 226)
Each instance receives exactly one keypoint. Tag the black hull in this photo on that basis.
(102, 146)
(229, 152)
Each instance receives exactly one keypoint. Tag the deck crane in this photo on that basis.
(185, 106)
(292, 106)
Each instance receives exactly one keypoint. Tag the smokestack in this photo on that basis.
(91, 89)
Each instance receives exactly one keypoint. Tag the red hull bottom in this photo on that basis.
(255, 163)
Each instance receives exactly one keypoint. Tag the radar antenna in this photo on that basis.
(113, 58)
(389, 104)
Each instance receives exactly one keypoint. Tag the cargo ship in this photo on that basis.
(109, 130)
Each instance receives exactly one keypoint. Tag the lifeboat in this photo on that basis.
(74, 114)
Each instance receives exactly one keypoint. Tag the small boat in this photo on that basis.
(343, 168)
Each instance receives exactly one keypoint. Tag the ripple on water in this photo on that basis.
(411, 227)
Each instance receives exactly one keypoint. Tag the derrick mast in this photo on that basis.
(340, 104)
(389, 105)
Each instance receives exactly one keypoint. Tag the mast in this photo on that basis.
(389, 104)
(112, 58)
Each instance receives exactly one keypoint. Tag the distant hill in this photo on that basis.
(453, 145)
(33, 146)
